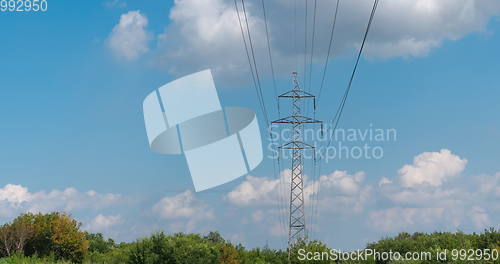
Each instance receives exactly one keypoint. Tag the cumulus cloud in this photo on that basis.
(480, 217)
(129, 38)
(183, 212)
(17, 199)
(418, 197)
(207, 34)
(425, 200)
(490, 185)
(396, 219)
(431, 168)
(14, 194)
(102, 223)
(342, 194)
(183, 205)
(343, 182)
(383, 181)
(345, 191)
(256, 191)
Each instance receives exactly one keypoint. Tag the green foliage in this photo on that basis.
(17, 259)
(262, 256)
(228, 254)
(55, 238)
(438, 242)
(98, 244)
(54, 235)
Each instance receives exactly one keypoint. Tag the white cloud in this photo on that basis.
(256, 191)
(115, 3)
(14, 194)
(16, 199)
(424, 197)
(383, 181)
(103, 222)
(340, 191)
(413, 28)
(207, 34)
(480, 217)
(490, 184)
(343, 182)
(183, 205)
(183, 212)
(425, 200)
(341, 194)
(420, 197)
(129, 38)
(431, 168)
(71, 200)
(397, 219)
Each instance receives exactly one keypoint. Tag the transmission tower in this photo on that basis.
(297, 219)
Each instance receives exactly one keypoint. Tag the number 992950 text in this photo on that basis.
(23, 5)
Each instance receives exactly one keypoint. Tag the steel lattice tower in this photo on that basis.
(297, 219)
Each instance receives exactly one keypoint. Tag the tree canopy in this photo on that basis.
(57, 238)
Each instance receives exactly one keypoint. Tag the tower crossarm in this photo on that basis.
(297, 119)
(296, 93)
(296, 145)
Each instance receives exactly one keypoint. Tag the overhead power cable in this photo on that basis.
(314, 196)
(305, 47)
(295, 33)
(340, 109)
(270, 56)
(256, 86)
(255, 63)
(337, 116)
(330, 45)
(280, 193)
(312, 44)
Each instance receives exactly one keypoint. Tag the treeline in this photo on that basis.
(55, 235)
(57, 238)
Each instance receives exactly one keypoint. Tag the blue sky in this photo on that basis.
(73, 80)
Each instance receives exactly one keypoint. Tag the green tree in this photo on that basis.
(56, 234)
(228, 255)
(97, 243)
(68, 242)
(14, 236)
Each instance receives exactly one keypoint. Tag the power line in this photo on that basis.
(305, 46)
(270, 55)
(346, 93)
(254, 62)
(330, 45)
(280, 204)
(312, 44)
(258, 86)
(339, 112)
(295, 33)
(280, 193)
(259, 97)
(314, 200)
